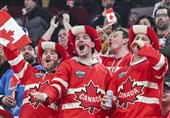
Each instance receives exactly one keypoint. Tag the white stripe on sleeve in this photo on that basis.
(64, 83)
(58, 88)
(16, 60)
(160, 63)
(21, 73)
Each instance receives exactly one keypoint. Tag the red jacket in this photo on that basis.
(138, 88)
(80, 88)
(33, 80)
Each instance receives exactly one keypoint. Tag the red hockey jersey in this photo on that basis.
(114, 64)
(138, 88)
(33, 80)
(80, 88)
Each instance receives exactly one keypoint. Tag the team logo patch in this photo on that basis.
(89, 97)
(129, 93)
(39, 75)
(36, 89)
(80, 74)
(122, 74)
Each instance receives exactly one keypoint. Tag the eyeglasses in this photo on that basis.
(161, 15)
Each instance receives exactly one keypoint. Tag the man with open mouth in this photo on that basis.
(81, 81)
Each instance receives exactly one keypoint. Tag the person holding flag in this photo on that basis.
(11, 90)
(50, 56)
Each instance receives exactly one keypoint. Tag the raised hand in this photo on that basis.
(66, 18)
(53, 22)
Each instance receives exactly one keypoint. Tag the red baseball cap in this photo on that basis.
(88, 30)
(135, 29)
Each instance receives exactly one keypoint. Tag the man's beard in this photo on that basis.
(162, 27)
(30, 60)
(2, 59)
(53, 66)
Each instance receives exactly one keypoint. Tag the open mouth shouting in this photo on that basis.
(48, 59)
(110, 44)
(81, 47)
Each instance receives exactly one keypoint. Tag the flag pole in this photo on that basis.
(5, 7)
(108, 25)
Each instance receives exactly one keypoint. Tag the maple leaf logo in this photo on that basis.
(89, 98)
(6, 35)
(129, 93)
(40, 88)
(111, 17)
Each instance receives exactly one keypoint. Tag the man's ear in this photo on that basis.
(125, 41)
(92, 44)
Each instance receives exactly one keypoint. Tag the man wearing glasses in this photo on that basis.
(162, 20)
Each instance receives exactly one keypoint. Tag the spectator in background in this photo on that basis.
(62, 34)
(162, 19)
(162, 3)
(36, 19)
(121, 7)
(101, 24)
(148, 21)
(59, 18)
(133, 17)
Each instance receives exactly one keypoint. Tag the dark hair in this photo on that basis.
(36, 1)
(118, 18)
(168, 11)
(125, 32)
(150, 19)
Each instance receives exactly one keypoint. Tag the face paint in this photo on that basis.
(53, 58)
(87, 43)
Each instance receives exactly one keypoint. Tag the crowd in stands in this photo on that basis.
(77, 55)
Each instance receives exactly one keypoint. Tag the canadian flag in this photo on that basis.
(110, 15)
(11, 34)
(70, 3)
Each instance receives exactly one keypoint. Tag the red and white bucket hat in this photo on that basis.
(135, 29)
(44, 44)
(88, 30)
(5, 114)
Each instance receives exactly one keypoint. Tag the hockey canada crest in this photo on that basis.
(129, 93)
(89, 97)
